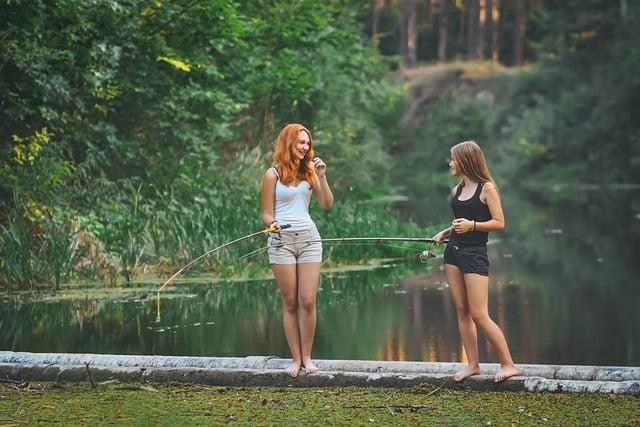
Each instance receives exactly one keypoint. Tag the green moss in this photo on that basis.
(180, 404)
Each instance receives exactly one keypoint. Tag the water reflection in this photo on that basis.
(563, 290)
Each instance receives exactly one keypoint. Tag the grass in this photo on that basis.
(188, 404)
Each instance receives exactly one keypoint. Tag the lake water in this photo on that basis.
(564, 289)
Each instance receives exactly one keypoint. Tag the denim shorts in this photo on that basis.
(294, 247)
(469, 259)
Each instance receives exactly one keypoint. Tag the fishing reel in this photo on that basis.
(426, 255)
(275, 240)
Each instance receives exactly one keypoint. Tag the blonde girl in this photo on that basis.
(477, 211)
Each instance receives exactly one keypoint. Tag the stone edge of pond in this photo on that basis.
(269, 371)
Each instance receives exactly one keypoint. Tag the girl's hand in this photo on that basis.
(275, 227)
(462, 225)
(438, 238)
(319, 166)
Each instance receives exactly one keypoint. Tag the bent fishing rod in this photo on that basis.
(209, 252)
(265, 231)
(424, 255)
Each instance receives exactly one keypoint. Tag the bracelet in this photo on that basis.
(474, 226)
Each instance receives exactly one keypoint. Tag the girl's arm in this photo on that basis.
(492, 198)
(496, 223)
(443, 234)
(321, 186)
(267, 197)
(323, 192)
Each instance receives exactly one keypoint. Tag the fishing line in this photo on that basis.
(240, 239)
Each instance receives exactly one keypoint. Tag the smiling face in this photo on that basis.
(303, 145)
(453, 165)
(294, 153)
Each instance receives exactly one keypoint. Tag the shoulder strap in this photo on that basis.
(275, 169)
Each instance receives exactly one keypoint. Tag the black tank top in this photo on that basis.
(473, 209)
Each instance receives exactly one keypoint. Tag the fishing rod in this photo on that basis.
(377, 244)
(424, 255)
(209, 252)
(382, 241)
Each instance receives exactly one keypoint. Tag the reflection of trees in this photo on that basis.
(246, 318)
(61, 326)
(584, 278)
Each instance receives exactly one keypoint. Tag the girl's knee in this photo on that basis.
(307, 303)
(290, 304)
(462, 311)
(480, 316)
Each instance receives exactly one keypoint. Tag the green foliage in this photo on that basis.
(153, 138)
(570, 118)
(425, 147)
(58, 250)
(140, 132)
(574, 116)
(16, 242)
(36, 246)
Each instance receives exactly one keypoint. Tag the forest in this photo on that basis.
(134, 134)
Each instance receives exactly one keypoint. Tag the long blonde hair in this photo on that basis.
(470, 159)
(284, 157)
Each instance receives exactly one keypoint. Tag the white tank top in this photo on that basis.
(292, 205)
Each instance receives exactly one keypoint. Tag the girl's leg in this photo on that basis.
(467, 328)
(308, 277)
(478, 296)
(286, 278)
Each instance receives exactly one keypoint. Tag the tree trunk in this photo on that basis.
(375, 30)
(443, 11)
(402, 28)
(472, 28)
(410, 58)
(482, 29)
(494, 20)
(462, 27)
(432, 10)
(519, 32)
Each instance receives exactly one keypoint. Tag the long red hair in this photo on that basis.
(289, 166)
(470, 159)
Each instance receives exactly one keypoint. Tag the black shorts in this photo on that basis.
(469, 259)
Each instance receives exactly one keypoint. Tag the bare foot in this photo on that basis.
(293, 369)
(505, 372)
(309, 367)
(466, 373)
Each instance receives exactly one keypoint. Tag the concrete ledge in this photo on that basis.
(269, 371)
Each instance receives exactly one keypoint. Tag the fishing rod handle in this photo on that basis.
(282, 227)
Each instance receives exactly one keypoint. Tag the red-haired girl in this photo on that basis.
(477, 211)
(285, 196)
